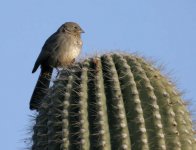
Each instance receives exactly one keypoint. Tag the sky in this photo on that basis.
(164, 31)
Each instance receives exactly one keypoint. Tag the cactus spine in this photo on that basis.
(115, 101)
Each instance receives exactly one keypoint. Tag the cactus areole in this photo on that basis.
(113, 102)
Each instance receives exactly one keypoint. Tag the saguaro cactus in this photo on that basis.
(113, 102)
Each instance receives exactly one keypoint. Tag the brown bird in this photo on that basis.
(59, 50)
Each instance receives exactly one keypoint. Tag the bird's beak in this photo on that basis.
(82, 31)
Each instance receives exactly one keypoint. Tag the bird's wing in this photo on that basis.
(49, 46)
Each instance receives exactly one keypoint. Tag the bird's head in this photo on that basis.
(71, 27)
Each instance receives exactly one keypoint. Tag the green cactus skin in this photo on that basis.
(113, 102)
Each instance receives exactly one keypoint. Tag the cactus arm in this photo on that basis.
(113, 102)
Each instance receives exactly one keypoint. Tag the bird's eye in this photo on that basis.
(75, 27)
(63, 29)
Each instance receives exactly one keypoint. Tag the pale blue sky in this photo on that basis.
(163, 30)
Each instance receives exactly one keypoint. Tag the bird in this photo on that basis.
(59, 51)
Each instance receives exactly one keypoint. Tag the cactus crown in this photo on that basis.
(116, 101)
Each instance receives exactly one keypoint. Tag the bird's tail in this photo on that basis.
(41, 87)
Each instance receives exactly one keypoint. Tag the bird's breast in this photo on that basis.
(68, 51)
